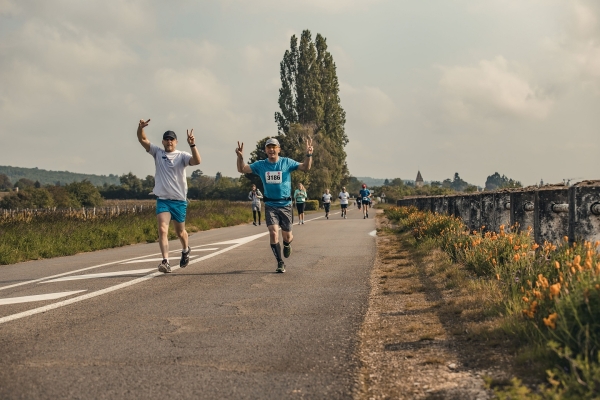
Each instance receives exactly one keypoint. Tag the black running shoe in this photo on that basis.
(254, 223)
(280, 267)
(287, 250)
(164, 267)
(185, 258)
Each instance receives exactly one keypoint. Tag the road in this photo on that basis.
(106, 325)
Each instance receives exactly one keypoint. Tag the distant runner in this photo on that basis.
(326, 198)
(300, 197)
(365, 197)
(344, 198)
(275, 173)
(255, 195)
(170, 186)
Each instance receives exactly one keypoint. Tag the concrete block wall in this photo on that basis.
(552, 212)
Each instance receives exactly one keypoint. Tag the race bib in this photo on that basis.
(273, 177)
(366, 199)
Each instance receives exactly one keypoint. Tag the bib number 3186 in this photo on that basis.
(273, 177)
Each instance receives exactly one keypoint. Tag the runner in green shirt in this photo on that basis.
(300, 197)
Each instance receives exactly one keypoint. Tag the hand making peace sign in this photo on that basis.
(143, 123)
(190, 137)
(240, 150)
(309, 146)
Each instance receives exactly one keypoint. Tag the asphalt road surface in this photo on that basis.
(107, 325)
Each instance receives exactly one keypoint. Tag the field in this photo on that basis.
(31, 236)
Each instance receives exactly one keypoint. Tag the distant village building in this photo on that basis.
(419, 180)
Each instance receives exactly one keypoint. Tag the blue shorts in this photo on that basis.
(177, 208)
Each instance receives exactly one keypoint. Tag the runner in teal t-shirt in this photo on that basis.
(300, 197)
(277, 183)
(365, 199)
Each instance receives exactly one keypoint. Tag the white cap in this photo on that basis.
(272, 141)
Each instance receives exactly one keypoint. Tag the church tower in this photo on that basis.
(419, 180)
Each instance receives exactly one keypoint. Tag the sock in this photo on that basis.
(276, 251)
(186, 251)
(254, 215)
(285, 244)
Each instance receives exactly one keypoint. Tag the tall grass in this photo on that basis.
(48, 235)
(551, 292)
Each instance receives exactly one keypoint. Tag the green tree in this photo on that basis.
(86, 194)
(5, 182)
(496, 181)
(24, 183)
(310, 107)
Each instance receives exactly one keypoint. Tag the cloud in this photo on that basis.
(306, 6)
(491, 89)
(372, 106)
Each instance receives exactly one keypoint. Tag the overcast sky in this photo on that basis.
(443, 86)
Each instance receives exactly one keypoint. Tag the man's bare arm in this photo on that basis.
(307, 163)
(195, 160)
(142, 135)
(242, 167)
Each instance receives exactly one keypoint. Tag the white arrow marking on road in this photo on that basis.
(102, 275)
(39, 297)
(373, 233)
(63, 303)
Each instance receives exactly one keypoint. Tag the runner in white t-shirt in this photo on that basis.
(344, 198)
(326, 198)
(170, 186)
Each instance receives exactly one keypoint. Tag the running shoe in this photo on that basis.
(287, 250)
(164, 267)
(254, 223)
(185, 258)
(280, 267)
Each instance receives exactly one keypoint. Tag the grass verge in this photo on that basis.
(47, 236)
(543, 299)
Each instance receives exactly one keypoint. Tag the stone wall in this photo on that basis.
(552, 212)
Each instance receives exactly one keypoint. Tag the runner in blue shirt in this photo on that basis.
(275, 173)
(365, 199)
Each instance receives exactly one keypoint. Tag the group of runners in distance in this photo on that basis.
(275, 173)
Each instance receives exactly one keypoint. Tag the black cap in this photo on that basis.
(169, 134)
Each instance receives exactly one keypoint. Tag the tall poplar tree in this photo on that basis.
(310, 105)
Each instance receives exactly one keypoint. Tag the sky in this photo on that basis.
(440, 86)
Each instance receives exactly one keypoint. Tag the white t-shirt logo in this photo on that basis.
(273, 177)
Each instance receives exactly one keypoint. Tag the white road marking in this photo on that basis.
(63, 303)
(373, 233)
(148, 260)
(39, 297)
(102, 275)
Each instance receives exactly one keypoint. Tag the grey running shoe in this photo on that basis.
(287, 250)
(185, 258)
(164, 267)
(280, 267)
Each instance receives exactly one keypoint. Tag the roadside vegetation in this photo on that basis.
(542, 298)
(58, 234)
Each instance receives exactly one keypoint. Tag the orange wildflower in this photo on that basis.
(550, 322)
(554, 290)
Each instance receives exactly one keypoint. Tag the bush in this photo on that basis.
(311, 205)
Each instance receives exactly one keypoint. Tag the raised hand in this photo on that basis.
(309, 146)
(143, 123)
(240, 150)
(190, 137)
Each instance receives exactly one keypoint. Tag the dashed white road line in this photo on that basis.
(101, 275)
(39, 297)
(238, 242)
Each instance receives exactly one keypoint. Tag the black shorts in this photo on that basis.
(366, 202)
(300, 207)
(326, 206)
(281, 216)
(344, 206)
